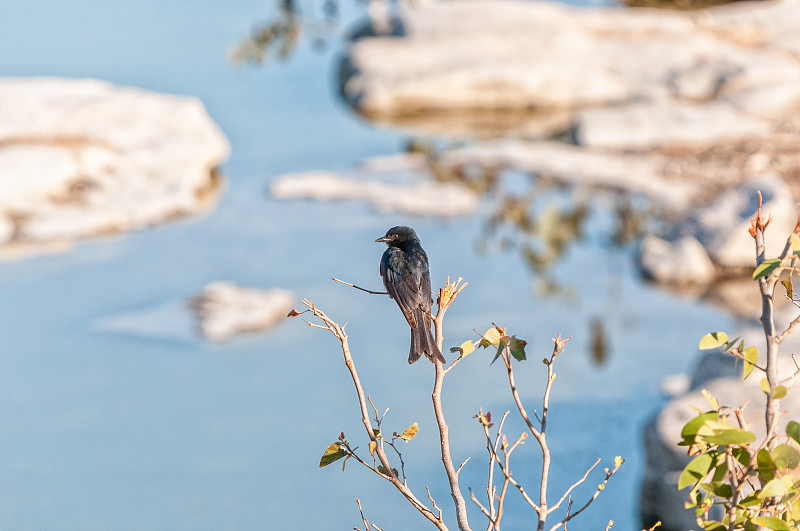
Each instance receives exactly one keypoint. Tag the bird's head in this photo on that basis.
(399, 235)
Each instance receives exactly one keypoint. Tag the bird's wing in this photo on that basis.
(401, 285)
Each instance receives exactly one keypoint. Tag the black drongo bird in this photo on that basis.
(407, 277)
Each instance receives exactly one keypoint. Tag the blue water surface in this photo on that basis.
(108, 430)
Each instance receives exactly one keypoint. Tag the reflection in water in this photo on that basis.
(539, 218)
(598, 348)
(676, 4)
(320, 21)
(279, 36)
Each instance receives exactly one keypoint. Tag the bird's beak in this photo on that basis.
(383, 239)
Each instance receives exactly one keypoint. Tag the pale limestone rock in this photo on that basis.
(651, 124)
(682, 262)
(79, 158)
(722, 225)
(716, 234)
(419, 198)
(628, 172)
(448, 57)
(224, 310)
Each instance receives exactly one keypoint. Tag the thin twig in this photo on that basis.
(617, 463)
(481, 507)
(791, 380)
(358, 287)
(788, 330)
(464, 462)
(363, 519)
(433, 502)
(735, 352)
(519, 487)
(572, 487)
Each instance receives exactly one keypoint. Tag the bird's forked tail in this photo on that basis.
(422, 341)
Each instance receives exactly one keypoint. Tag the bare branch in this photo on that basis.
(446, 296)
(363, 519)
(481, 507)
(464, 462)
(357, 287)
(572, 487)
(455, 362)
(390, 476)
(617, 463)
(433, 502)
(519, 487)
(788, 330)
(791, 380)
(766, 285)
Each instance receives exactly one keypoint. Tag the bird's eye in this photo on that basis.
(394, 236)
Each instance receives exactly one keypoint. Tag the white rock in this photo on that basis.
(80, 158)
(675, 384)
(224, 310)
(653, 65)
(651, 124)
(395, 163)
(683, 262)
(628, 172)
(722, 225)
(424, 198)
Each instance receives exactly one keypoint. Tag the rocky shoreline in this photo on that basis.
(82, 158)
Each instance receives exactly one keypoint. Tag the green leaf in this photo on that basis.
(382, 470)
(518, 348)
(721, 470)
(750, 500)
(751, 355)
(771, 522)
(332, 454)
(741, 455)
(787, 284)
(766, 267)
(766, 467)
(793, 431)
(765, 385)
(795, 243)
(723, 491)
(713, 340)
(501, 346)
(780, 392)
(491, 337)
(786, 456)
(730, 436)
(689, 431)
(697, 469)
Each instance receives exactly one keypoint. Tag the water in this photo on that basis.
(107, 430)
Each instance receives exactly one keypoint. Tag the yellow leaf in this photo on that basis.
(491, 337)
(711, 399)
(467, 347)
(410, 432)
